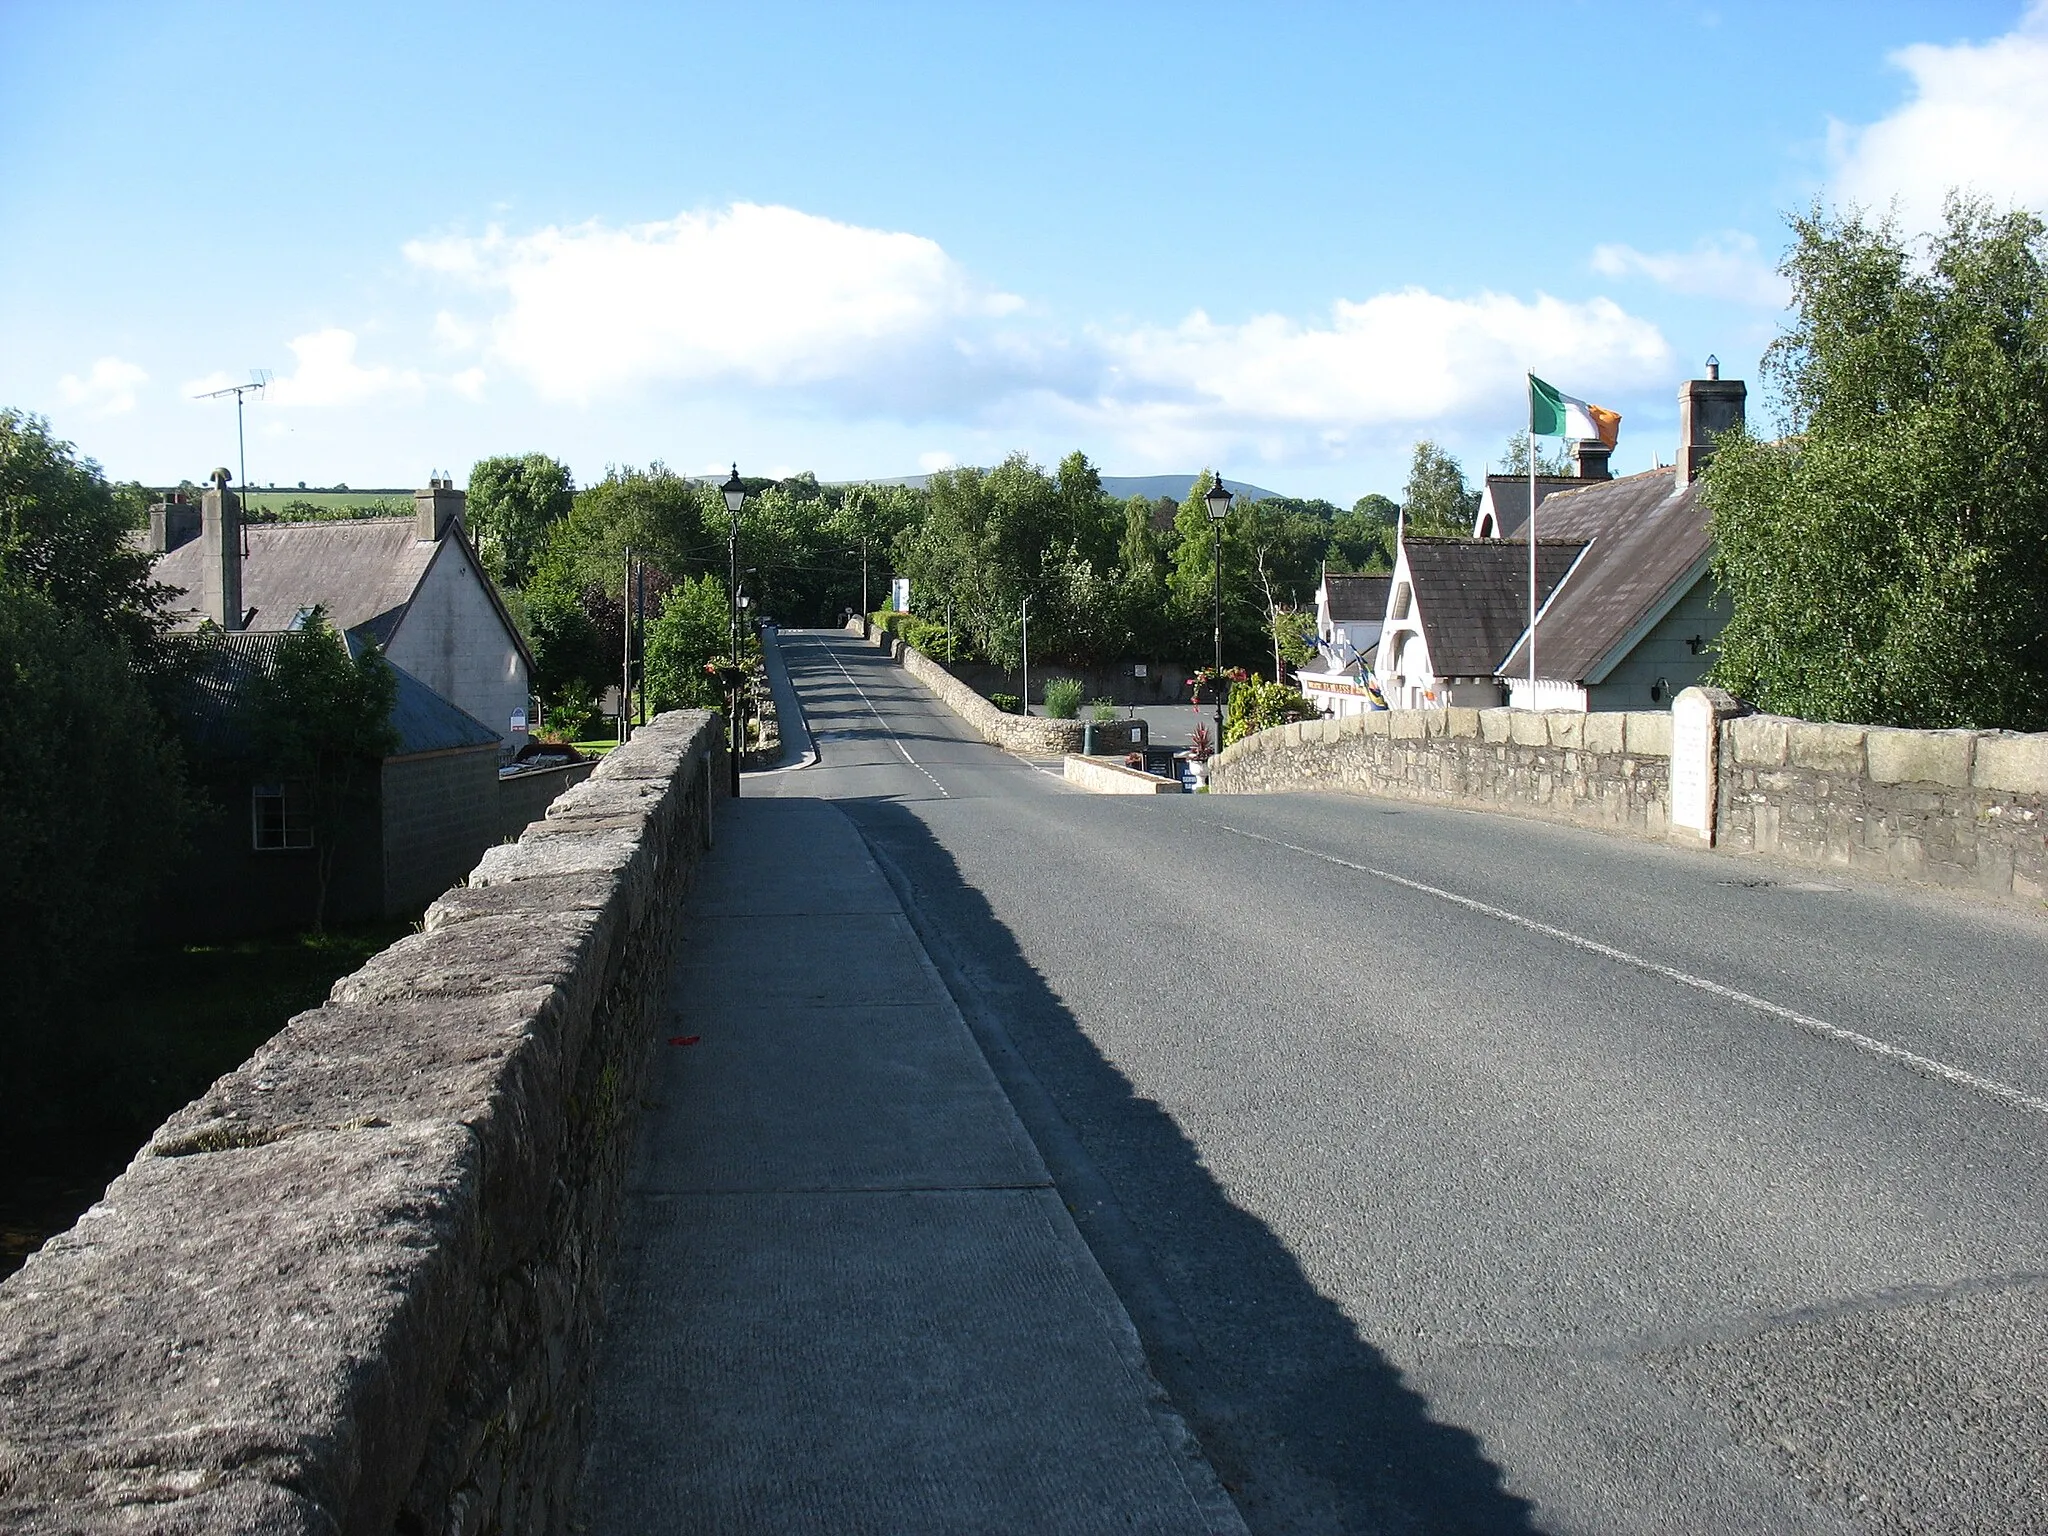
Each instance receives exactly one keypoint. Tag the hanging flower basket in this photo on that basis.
(1213, 687)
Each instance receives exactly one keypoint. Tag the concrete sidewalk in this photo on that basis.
(798, 751)
(849, 1298)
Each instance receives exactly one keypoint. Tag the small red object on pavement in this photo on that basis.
(684, 1039)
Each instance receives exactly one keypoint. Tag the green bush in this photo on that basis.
(1256, 706)
(1063, 698)
(1105, 711)
(1008, 703)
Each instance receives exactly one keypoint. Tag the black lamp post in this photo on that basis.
(1218, 500)
(735, 498)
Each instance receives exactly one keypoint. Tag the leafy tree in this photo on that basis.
(1436, 499)
(1294, 632)
(64, 533)
(513, 502)
(1363, 538)
(92, 807)
(1514, 458)
(569, 651)
(321, 719)
(1887, 557)
(693, 628)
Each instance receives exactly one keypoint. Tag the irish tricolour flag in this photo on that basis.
(1552, 413)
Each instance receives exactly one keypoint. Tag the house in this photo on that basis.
(1634, 620)
(1455, 607)
(1349, 613)
(412, 585)
(435, 807)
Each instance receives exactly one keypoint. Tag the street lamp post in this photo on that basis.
(1218, 500)
(735, 498)
(1024, 618)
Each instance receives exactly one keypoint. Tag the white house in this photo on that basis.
(413, 585)
(1455, 607)
(1349, 613)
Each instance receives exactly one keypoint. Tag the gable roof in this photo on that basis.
(1472, 596)
(364, 572)
(425, 721)
(1358, 597)
(1507, 497)
(1651, 545)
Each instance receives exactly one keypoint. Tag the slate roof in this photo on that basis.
(1472, 596)
(1358, 597)
(1649, 543)
(363, 571)
(425, 721)
(1509, 498)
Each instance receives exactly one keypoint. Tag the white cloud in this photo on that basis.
(1392, 363)
(327, 375)
(931, 463)
(1977, 117)
(108, 388)
(1730, 267)
(761, 296)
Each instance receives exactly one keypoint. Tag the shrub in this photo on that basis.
(1257, 706)
(1063, 698)
(1105, 711)
(1008, 703)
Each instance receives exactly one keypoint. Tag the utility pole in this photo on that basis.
(626, 658)
(1025, 611)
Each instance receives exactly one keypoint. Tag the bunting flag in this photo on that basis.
(1552, 413)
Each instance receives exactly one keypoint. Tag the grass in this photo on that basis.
(97, 1081)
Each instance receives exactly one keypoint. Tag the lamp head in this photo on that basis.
(735, 493)
(1219, 499)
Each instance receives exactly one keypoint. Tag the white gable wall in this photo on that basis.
(453, 640)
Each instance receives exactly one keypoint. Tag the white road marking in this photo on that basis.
(1925, 1065)
(920, 767)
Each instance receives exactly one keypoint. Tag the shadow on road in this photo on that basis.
(1305, 1421)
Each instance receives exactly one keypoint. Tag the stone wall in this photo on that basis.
(1958, 808)
(1109, 776)
(354, 1287)
(1027, 735)
(524, 797)
(1610, 770)
(440, 812)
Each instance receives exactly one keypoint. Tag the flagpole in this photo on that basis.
(1529, 382)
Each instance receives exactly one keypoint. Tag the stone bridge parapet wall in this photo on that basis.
(1955, 808)
(1610, 770)
(355, 1286)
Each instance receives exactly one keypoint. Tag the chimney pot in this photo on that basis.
(436, 508)
(1713, 366)
(1589, 460)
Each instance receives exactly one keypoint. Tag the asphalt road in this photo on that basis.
(1468, 1173)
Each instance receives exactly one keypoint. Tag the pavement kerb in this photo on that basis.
(798, 750)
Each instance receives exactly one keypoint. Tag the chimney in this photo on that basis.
(173, 523)
(1589, 460)
(1706, 408)
(220, 540)
(436, 508)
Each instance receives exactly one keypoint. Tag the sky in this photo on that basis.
(867, 240)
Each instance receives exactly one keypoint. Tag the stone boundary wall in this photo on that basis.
(355, 1286)
(525, 797)
(1026, 735)
(1108, 776)
(1954, 808)
(1608, 770)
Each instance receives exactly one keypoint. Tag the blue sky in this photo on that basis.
(872, 239)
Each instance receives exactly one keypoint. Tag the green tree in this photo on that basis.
(64, 533)
(1362, 539)
(1514, 458)
(693, 628)
(1887, 556)
(1294, 632)
(513, 502)
(1436, 499)
(320, 719)
(92, 807)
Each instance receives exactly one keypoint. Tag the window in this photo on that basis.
(1401, 601)
(279, 817)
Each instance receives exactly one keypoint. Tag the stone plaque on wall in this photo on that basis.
(1695, 728)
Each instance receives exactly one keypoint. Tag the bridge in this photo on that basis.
(1011, 1158)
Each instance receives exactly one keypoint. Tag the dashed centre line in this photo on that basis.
(1926, 1066)
(920, 767)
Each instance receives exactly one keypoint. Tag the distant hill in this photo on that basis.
(1174, 486)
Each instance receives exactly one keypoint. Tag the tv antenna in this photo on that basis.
(259, 380)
